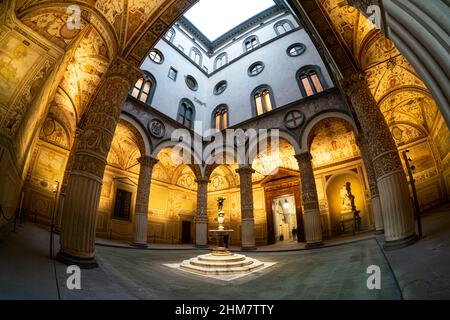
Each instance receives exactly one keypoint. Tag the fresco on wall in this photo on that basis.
(16, 60)
(442, 141)
(423, 161)
(49, 168)
(333, 141)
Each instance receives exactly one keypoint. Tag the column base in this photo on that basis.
(379, 232)
(397, 244)
(248, 248)
(313, 245)
(201, 246)
(139, 245)
(83, 263)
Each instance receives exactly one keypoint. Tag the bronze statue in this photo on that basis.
(220, 201)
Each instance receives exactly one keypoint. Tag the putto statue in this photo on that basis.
(220, 201)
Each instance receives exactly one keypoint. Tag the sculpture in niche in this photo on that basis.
(349, 207)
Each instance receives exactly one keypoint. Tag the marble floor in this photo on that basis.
(335, 272)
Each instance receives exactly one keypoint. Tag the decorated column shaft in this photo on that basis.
(375, 195)
(65, 181)
(140, 225)
(201, 219)
(247, 216)
(83, 190)
(311, 214)
(397, 209)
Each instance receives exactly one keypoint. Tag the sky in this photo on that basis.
(215, 17)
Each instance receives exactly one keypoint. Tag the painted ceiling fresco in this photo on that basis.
(403, 98)
(124, 149)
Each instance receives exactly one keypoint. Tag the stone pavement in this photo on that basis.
(334, 272)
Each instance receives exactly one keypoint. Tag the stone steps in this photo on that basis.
(211, 264)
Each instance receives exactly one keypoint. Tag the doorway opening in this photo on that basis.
(186, 231)
(285, 218)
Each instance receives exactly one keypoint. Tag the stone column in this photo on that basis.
(375, 195)
(311, 214)
(201, 219)
(247, 217)
(65, 181)
(82, 197)
(142, 198)
(398, 214)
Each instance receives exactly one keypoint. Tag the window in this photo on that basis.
(196, 56)
(220, 87)
(191, 83)
(283, 26)
(122, 207)
(186, 113)
(262, 100)
(251, 43)
(170, 35)
(156, 56)
(144, 89)
(220, 117)
(221, 60)
(255, 69)
(296, 49)
(310, 80)
(173, 73)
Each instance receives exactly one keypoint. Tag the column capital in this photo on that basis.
(355, 82)
(202, 180)
(122, 68)
(303, 157)
(245, 170)
(148, 161)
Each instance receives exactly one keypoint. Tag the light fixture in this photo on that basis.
(286, 204)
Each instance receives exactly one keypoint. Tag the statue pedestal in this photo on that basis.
(221, 248)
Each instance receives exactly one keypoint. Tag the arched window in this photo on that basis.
(251, 43)
(221, 60)
(186, 113)
(220, 117)
(170, 35)
(196, 56)
(262, 100)
(283, 26)
(144, 89)
(310, 80)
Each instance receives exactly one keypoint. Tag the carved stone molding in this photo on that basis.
(148, 161)
(309, 191)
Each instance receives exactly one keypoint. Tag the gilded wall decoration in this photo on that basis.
(48, 168)
(266, 163)
(187, 179)
(334, 141)
(442, 141)
(53, 132)
(404, 134)
(124, 151)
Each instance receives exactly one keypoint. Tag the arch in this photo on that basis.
(264, 105)
(197, 159)
(304, 142)
(186, 113)
(252, 149)
(250, 43)
(220, 116)
(283, 26)
(170, 35)
(196, 56)
(306, 73)
(221, 60)
(139, 129)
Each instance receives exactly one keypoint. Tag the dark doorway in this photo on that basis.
(186, 232)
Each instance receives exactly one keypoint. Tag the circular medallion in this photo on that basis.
(294, 119)
(157, 128)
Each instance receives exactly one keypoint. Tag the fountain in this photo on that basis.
(221, 261)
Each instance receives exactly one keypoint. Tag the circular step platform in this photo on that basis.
(221, 263)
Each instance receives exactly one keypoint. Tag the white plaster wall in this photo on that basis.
(279, 73)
